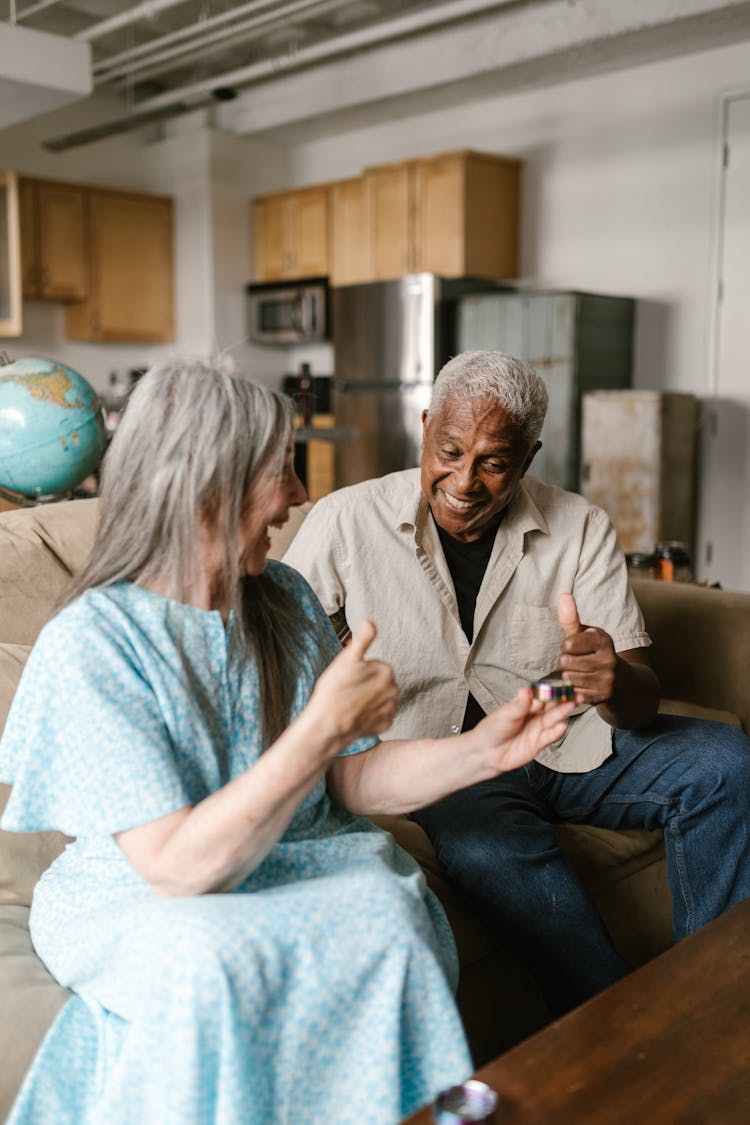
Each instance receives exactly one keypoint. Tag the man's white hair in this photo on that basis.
(514, 384)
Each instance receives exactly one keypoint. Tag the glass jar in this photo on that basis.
(642, 565)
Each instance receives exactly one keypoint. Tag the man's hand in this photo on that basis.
(587, 656)
(622, 686)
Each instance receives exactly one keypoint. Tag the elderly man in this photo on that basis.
(481, 578)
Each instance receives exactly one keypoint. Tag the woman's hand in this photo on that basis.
(355, 696)
(518, 731)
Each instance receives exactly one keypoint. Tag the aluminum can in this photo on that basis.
(554, 689)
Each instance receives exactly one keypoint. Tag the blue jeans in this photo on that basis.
(496, 843)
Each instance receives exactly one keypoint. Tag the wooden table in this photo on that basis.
(668, 1045)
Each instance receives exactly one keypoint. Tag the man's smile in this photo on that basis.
(455, 503)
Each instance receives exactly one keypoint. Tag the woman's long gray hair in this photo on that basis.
(198, 443)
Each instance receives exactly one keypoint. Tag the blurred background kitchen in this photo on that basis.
(335, 196)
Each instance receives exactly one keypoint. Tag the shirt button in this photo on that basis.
(455, 728)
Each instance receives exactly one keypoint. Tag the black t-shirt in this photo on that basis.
(467, 563)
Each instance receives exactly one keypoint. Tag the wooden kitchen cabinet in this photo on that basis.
(351, 259)
(455, 214)
(11, 313)
(390, 191)
(290, 234)
(54, 240)
(131, 270)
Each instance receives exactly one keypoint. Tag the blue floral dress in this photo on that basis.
(319, 990)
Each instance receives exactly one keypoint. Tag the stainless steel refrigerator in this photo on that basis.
(390, 338)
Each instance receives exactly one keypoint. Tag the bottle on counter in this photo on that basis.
(305, 394)
(673, 562)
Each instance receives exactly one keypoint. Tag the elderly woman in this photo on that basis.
(242, 947)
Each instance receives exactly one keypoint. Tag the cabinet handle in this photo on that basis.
(96, 323)
(45, 278)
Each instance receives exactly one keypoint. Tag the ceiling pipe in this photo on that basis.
(226, 85)
(254, 28)
(41, 6)
(152, 117)
(191, 32)
(146, 10)
(408, 24)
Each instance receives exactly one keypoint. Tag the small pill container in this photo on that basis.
(554, 689)
(471, 1102)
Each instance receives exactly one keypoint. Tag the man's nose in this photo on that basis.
(465, 475)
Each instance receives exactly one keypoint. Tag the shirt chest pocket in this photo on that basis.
(535, 639)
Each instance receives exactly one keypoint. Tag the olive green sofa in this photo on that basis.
(701, 651)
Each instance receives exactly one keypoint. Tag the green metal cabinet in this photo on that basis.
(578, 342)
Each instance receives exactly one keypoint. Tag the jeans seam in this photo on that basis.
(621, 799)
(681, 871)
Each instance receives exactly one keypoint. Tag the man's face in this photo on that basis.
(473, 458)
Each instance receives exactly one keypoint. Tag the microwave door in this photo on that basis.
(310, 316)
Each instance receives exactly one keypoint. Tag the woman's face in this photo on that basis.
(269, 507)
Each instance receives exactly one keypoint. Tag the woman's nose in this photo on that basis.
(297, 491)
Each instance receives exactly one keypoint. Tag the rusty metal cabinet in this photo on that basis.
(578, 342)
(639, 463)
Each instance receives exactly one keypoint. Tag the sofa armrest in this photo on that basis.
(701, 649)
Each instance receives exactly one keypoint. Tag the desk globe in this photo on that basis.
(52, 432)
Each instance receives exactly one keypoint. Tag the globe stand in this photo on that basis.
(18, 500)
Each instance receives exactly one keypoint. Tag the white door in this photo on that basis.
(724, 537)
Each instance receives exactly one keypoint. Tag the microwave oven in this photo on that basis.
(293, 312)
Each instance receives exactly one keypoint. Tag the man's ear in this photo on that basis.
(530, 457)
(425, 416)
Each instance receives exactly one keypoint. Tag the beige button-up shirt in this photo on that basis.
(373, 549)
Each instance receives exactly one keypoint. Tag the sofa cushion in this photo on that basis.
(695, 711)
(31, 1000)
(23, 855)
(39, 550)
(12, 659)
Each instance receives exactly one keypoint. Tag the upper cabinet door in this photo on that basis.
(271, 238)
(29, 249)
(351, 261)
(391, 206)
(309, 223)
(62, 242)
(290, 235)
(11, 322)
(440, 213)
(131, 296)
(54, 240)
(467, 215)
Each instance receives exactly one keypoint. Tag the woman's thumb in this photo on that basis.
(362, 639)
